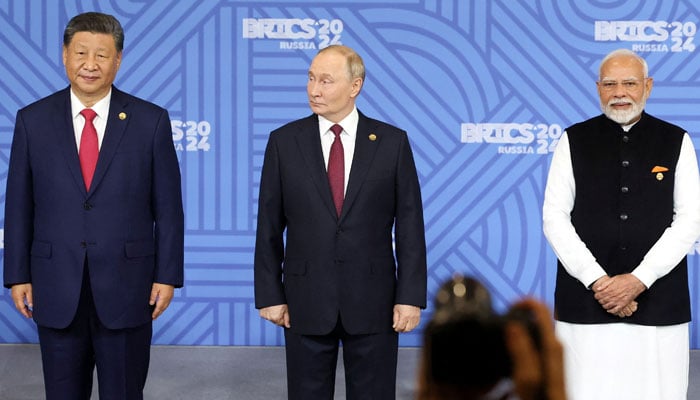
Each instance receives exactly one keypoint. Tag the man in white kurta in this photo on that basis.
(621, 211)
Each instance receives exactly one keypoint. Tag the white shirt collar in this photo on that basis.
(349, 124)
(101, 107)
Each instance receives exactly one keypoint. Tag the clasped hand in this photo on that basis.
(617, 294)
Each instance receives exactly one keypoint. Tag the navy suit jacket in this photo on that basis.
(129, 226)
(343, 266)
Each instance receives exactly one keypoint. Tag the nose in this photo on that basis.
(619, 90)
(313, 89)
(90, 62)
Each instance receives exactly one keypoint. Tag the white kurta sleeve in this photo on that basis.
(678, 238)
(559, 196)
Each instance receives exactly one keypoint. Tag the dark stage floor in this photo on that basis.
(216, 373)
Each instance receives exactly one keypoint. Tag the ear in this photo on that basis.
(356, 87)
(648, 84)
(65, 55)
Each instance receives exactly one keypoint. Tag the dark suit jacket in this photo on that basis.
(339, 266)
(129, 225)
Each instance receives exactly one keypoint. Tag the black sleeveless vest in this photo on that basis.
(622, 207)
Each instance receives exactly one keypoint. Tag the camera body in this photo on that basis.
(466, 337)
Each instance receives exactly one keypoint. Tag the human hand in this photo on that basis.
(22, 297)
(278, 315)
(628, 310)
(406, 317)
(536, 373)
(615, 293)
(161, 295)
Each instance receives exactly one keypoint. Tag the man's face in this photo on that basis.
(330, 88)
(623, 90)
(92, 62)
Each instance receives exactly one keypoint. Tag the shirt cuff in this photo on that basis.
(589, 277)
(647, 277)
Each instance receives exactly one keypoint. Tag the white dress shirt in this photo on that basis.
(347, 137)
(100, 121)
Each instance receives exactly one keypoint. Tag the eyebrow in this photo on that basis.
(322, 75)
(85, 46)
(607, 78)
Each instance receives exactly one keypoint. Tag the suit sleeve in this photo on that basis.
(410, 232)
(269, 242)
(167, 204)
(19, 211)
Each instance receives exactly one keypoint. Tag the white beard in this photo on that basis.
(623, 117)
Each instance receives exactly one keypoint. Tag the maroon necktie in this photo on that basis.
(88, 147)
(336, 169)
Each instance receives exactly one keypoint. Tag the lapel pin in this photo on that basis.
(372, 137)
(122, 116)
(659, 172)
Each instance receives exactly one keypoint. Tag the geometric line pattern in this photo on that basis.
(229, 72)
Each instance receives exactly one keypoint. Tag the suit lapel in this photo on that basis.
(309, 142)
(365, 150)
(65, 137)
(117, 120)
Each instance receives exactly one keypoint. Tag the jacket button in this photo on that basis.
(625, 163)
(624, 189)
(87, 206)
(83, 244)
(623, 217)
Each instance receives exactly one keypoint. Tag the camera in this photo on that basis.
(465, 338)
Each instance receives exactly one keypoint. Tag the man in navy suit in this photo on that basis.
(93, 254)
(339, 278)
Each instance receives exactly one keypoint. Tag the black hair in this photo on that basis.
(96, 23)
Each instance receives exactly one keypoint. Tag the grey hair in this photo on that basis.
(356, 67)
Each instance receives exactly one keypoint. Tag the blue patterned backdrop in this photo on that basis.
(484, 89)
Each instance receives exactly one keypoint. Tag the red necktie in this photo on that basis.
(88, 147)
(336, 169)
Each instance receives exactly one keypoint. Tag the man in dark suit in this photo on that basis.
(339, 182)
(93, 220)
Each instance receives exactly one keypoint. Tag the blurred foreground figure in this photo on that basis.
(472, 353)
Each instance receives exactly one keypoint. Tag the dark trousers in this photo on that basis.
(70, 355)
(369, 360)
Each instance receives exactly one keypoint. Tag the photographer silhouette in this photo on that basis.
(471, 352)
